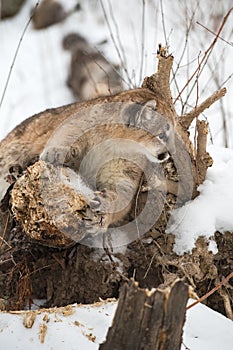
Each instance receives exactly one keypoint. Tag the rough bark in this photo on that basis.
(148, 319)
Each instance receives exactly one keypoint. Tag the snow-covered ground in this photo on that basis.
(38, 81)
(211, 211)
(84, 327)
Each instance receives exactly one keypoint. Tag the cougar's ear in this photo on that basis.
(148, 110)
(131, 114)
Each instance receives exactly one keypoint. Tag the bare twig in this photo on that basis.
(111, 65)
(92, 79)
(214, 75)
(186, 348)
(163, 23)
(204, 297)
(2, 238)
(185, 43)
(89, 73)
(115, 43)
(195, 132)
(197, 81)
(135, 210)
(205, 61)
(16, 54)
(227, 302)
(226, 80)
(150, 264)
(187, 119)
(206, 54)
(143, 41)
(117, 33)
(210, 31)
(216, 79)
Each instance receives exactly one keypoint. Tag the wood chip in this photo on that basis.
(43, 331)
(29, 319)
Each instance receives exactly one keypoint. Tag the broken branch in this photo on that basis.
(187, 119)
(224, 281)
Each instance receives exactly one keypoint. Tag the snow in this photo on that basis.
(74, 181)
(211, 211)
(207, 329)
(39, 70)
(38, 81)
(84, 327)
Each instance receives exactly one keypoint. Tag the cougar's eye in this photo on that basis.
(162, 135)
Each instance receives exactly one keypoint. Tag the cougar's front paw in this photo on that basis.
(94, 229)
(102, 201)
(15, 171)
(94, 223)
(54, 155)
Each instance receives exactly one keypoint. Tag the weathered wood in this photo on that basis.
(204, 160)
(187, 119)
(148, 319)
(50, 206)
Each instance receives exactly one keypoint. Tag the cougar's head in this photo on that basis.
(160, 140)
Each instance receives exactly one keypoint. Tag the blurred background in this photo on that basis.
(55, 52)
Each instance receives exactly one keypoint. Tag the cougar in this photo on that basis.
(108, 144)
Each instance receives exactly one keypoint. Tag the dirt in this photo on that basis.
(84, 275)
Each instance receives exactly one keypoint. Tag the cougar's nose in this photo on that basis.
(163, 156)
(172, 146)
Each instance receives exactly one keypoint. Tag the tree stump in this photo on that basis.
(146, 320)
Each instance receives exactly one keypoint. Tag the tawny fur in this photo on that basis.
(108, 141)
